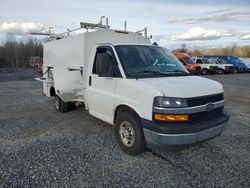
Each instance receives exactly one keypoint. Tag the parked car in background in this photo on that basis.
(239, 66)
(206, 65)
(223, 66)
(187, 61)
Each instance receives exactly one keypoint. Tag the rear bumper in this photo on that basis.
(210, 129)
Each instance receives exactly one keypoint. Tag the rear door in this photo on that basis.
(100, 91)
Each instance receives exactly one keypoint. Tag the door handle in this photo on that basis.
(90, 80)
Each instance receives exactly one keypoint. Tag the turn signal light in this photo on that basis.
(166, 117)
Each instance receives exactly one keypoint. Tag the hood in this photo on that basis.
(184, 86)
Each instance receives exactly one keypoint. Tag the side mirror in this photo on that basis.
(104, 65)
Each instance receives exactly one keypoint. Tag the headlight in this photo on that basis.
(169, 102)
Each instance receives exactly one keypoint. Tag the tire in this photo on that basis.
(60, 105)
(220, 71)
(204, 71)
(236, 70)
(129, 133)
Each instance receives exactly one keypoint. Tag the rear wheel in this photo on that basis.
(129, 133)
(60, 105)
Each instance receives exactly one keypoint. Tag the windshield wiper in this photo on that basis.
(180, 71)
(150, 71)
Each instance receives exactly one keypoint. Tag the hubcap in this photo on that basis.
(127, 134)
(57, 102)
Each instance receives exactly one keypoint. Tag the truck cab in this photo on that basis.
(206, 65)
(141, 89)
(187, 61)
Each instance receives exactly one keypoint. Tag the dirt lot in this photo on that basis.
(40, 147)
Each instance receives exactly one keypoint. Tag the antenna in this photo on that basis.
(107, 23)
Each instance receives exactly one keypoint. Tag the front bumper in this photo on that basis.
(181, 134)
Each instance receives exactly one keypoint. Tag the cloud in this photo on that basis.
(215, 16)
(197, 33)
(245, 37)
(21, 28)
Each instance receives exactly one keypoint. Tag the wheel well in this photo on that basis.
(52, 91)
(122, 108)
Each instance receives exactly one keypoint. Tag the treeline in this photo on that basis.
(242, 52)
(17, 52)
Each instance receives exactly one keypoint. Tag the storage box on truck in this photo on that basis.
(141, 89)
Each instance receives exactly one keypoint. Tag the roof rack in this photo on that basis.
(87, 26)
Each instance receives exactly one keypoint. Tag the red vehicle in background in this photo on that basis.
(37, 63)
(187, 61)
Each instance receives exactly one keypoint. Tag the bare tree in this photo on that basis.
(17, 52)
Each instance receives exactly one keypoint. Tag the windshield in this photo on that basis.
(149, 61)
(189, 60)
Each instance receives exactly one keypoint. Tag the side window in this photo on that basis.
(199, 61)
(108, 50)
(98, 51)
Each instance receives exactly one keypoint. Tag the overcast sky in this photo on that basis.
(197, 23)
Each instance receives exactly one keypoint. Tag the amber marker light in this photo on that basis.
(167, 117)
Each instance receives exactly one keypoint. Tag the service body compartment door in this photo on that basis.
(68, 83)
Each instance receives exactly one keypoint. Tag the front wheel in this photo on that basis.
(204, 71)
(220, 71)
(236, 70)
(60, 105)
(129, 133)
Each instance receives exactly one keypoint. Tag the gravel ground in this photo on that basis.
(40, 147)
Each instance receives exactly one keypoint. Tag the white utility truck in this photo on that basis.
(206, 65)
(141, 89)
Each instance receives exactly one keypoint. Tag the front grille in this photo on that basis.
(197, 101)
(205, 116)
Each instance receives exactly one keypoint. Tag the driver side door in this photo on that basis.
(100, 91)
